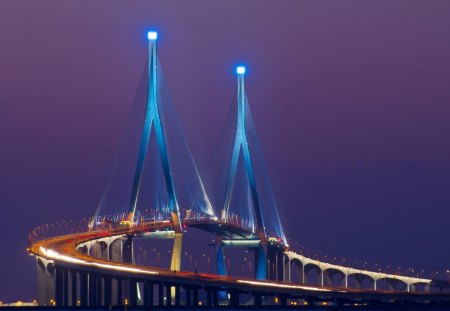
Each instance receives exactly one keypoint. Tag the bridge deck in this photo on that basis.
(63, 251)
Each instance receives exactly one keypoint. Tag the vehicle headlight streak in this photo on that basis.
(270, 284)
(57, 256)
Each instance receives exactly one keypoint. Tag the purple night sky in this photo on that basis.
(351, 100)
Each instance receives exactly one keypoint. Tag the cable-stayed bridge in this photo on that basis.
(156, 192)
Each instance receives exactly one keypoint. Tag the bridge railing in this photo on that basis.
(120, 220)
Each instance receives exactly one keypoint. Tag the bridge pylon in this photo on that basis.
(241, 143)
(153, 120)
(259, 243)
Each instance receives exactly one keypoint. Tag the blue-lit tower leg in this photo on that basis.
(220, 256)
(220, 262)
(241, 143)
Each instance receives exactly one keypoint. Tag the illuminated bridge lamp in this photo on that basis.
(152, 35)
(240, 70)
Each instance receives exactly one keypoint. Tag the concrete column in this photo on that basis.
(283, 300)
(215, 297)
(65, 272)
(160, 294)
(126, 290)
(346, 280)
(167, 295)
(261, 262)
(99, 286)
(59, 286)
(114, 292)
(127, 250)
(41, 282)
(50, 282)
(104, 251)
(304, 278)
(427, 288)
(148, 294)
(177, 295)
(119, 292)
(115, 250)
(133, 292)
(358, 280)
(257, 299)
(73, 288)
(175, 263)
(289, 270)
(328, 278)
(221, 267)
(188, 291)
(321, 277)
(107, 291)
(279, 264)
(234, 298)
(195, 296)
(209, 301)
(84, 289)
(92, 290)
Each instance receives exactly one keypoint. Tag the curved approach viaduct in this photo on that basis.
(96, 269)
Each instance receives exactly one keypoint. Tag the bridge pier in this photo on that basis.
(327, 278)
(59, 290)
(275, 258)
(160, 294)
(257, 299)
(209, 300)
(92, 290)
(321, 278)
(84, 289)
(115, 250)
(65, 273)
(132, 299)
(261, 259)
(107, 286)
(188, 292)
(220, 258)
(148, 294)
(234, 298)
(304, 277)
(73, 287)
(50, 284)
(127, 250)
(42, 281)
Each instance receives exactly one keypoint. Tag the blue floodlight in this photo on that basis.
(240, 70)
(152, 35)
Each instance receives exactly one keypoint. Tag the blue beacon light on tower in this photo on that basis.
(240, 70)
(152, 35)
